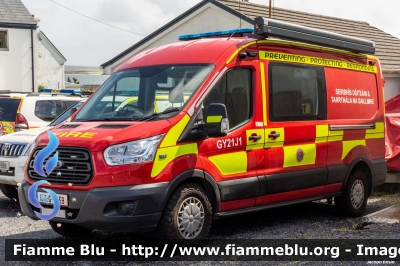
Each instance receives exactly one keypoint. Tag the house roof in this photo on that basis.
(14, 12)
(387, 46)
(155, 33)
(44, 37)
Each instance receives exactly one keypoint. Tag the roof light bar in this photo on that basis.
(63, 91)
(215, 34)
(270, 27)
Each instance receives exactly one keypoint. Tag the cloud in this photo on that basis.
(381, 15)
(86, 42)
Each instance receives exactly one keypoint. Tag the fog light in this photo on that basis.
(127, 207)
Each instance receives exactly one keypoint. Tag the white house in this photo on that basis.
(212, 15)
(18, 60)
(50, 66)
(27, 57)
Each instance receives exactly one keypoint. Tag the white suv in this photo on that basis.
(21, 111)
(14, 151)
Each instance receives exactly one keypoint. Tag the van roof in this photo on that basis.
(199, 51)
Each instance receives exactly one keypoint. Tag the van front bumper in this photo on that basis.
(98, 208)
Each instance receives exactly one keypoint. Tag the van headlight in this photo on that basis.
(137, 151)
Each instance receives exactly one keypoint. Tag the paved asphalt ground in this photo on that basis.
(315, 220)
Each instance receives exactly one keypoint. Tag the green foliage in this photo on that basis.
(40, 87)
(68, 79)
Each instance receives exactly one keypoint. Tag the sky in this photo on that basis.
(85, 42)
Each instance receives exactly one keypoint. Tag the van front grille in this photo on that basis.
(74, 166)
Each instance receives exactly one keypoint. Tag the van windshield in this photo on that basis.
(146, 93)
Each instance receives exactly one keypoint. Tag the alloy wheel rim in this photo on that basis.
(190, 218)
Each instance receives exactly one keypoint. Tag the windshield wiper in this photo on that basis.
(154, 115)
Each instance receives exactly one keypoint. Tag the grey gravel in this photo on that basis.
(315, 220)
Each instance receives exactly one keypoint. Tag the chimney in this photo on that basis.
(37, 22)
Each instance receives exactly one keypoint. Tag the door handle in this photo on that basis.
(255, 137)
(274, 135)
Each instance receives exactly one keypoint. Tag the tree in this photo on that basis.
(40, 87)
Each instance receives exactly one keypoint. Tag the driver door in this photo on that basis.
(236, 160)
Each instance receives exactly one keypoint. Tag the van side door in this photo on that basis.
(296, 132)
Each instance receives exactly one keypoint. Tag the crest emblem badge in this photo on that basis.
(299, 155)
(6, 147)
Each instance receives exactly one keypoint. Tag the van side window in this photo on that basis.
(296, 92)
(233, 90)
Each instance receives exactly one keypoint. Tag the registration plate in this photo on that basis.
(47, 211)
(62, 198)
(4, 165)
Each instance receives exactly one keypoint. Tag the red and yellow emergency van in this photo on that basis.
(254, 121)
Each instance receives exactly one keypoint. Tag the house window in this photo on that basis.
(3, 40)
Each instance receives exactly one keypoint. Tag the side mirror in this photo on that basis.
(72, 111)
(217, 123)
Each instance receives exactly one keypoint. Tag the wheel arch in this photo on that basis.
(363, 163)
(198, 176)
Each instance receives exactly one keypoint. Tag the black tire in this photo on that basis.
(70, 230)
(171, 226)
(353, 201)
(9, 191)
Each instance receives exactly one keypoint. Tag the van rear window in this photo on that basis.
(8, 109)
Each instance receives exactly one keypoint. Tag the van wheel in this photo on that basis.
(187, 215)
(70, 230)
(353, 201)
(9, 191)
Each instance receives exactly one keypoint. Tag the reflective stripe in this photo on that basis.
(263, 91)
(335, 135)
(258, 144)
(8, 127)
(214, 118)
(321, 133)
(230, 163)
(171, 153)
(290, 155)
(383, 97)
(238, 50)
(169, 148)
(318, 61)
(175, 132)
(377, 133)
(278, 142)
(348, 145)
